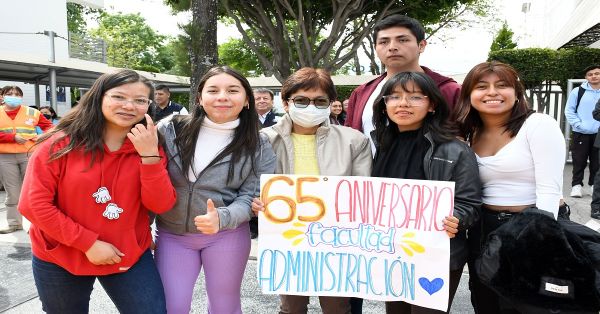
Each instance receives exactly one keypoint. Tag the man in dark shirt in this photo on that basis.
(163, 106)
(264, 104)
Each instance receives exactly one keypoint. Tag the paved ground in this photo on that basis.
(17, 291)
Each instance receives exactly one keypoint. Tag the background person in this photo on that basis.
(89, 187)
(163, 106)
(216, 157)
(17, 136)
(521, 157)
(49, 114)
(415, 141)
(399, 41)
(339, 151)
(578, 111)
(335, 111)
(264, 106)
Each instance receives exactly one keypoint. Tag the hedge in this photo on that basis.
(536, 65)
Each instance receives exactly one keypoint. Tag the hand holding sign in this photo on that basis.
(209, 222)
(451, 226)
(257, 206)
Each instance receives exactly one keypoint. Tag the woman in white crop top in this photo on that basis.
(521, 156)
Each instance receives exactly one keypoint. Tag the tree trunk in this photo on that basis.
(203, 48)
(357, 68)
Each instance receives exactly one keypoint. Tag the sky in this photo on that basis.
(454, 56)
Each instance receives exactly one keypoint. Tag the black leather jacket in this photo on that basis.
(455, 161)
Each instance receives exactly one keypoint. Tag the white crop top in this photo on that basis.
(527, 170)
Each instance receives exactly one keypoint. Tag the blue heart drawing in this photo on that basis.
(432, 286)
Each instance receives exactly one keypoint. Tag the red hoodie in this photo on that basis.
(58, 198)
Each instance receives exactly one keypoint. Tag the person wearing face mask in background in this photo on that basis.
(17, 136)
(306, 143)
(49, 114)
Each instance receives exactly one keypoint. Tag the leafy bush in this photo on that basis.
(536, 65)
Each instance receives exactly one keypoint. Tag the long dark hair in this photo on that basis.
(468, 117)
(436, 123)
(245, 138)
(84, 124)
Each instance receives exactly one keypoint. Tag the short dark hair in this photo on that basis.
(10, 88)
(397, 20)
(162, 87)
(308, 78)
(262, 90)
(589, 68)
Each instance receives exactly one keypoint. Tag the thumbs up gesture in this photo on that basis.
(209, 222)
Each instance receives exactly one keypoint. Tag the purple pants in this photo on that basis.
(224, 255)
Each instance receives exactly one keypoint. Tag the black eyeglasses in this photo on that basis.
(303, 102)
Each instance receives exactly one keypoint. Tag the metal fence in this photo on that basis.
(551, 101)
(87, 48)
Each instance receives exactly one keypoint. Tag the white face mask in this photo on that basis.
(308, 117)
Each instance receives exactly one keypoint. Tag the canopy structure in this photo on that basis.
(582, 28)
(71, 72)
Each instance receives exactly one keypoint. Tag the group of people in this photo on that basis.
(96, 180)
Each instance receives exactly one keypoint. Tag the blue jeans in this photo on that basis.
(138, 290)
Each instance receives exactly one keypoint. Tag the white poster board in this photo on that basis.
(373, 238)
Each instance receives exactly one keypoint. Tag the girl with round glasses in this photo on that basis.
(91, 184)
(415, 140)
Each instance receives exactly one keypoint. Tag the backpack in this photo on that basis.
(580, 93)
(540, 265)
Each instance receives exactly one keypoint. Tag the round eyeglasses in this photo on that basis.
(303, 102)
(411, 100)
(122, 100)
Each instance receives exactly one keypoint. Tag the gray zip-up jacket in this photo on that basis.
(232, 199)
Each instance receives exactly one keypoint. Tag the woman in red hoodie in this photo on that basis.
(88, 190)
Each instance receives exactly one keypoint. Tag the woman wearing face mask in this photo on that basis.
(306, 143)
(414, 140)
(49, 114)
(17, 136)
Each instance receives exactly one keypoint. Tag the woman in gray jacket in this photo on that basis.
(216, 157)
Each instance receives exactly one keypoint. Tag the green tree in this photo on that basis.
(132, 43)
(323, 34)
(503, 39)
(236, 54)
(76, 17)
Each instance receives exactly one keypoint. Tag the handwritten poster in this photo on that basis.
(373, 238)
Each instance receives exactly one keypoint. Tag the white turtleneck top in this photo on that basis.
(212, 139)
